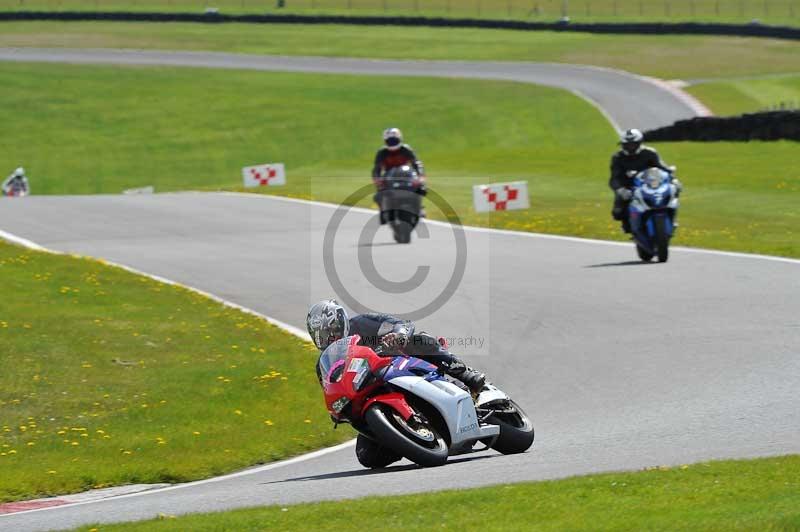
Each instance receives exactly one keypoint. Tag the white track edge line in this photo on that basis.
(525, 234)
(598, 107)
(245, 472)
(303, 335)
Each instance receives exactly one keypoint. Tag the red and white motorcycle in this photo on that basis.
(405, 406)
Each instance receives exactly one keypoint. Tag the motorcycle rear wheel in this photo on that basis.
(427, 449)
(516, 430)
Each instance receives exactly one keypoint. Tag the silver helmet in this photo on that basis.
(631, 141)
(327, 322)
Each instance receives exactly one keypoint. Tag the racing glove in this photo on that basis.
(394, 341)
(624, 194)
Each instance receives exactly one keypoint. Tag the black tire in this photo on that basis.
(402, 232)
(383, 422)
(372, 455)
(516, 431)
(662, 238)
(645, 255)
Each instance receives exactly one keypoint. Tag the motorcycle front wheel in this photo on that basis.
(645, 255)
(402, 232)
(662, 238)
(416, 439)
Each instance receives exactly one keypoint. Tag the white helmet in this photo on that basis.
(393, 138)
(631, 141)
(19, 172)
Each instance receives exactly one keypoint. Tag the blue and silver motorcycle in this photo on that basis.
(652, 213)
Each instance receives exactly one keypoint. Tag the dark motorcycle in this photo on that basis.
(400, 201)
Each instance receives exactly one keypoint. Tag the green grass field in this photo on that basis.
(730, 97)
(149, 132)
(669, 57)
(757, 495)
(785, 12)
(110, 378)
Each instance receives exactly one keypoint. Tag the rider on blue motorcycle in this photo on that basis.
(328, 322)
(631, 159)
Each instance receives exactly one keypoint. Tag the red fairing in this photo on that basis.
(395, 400)
(343, 387)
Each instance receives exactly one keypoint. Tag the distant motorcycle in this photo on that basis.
(16, 193)
(652, 213)
(15, 189)
(401, 201)
(409, 409)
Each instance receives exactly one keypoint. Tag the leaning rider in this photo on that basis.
(631, 159)
(16, 184)
(328, 322)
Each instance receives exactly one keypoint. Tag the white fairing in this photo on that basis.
(490, 393)
(455, 405)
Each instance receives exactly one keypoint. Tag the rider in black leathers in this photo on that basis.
(631, 159)
(395, 155)
(327, 322)
(15, 184)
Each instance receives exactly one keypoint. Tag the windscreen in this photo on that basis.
(331, 362)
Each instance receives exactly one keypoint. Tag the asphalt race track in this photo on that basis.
(620, 365)
(626, 99)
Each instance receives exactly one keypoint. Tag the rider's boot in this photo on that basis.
(626, 225)
(474, 380)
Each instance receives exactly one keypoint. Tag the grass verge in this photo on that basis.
(683, 57)
(761, 494)
(783, 12)
(732, 97)
(145, 122)
(111, 378)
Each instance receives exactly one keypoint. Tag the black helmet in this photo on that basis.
(631, 141)
(327, 322)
